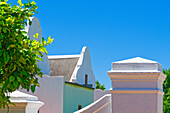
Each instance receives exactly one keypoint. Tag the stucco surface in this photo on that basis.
(51, 93)
(76, 95)
(135, 103)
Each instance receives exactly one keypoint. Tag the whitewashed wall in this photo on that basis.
(84, 67)
(51, 93)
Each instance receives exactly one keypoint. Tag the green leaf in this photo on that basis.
(23, 73)
(43, 49)
(49, 41)
(15, 84)
(20, 3)
(14, 68)
(21, 59)
(33, 3)
(1, 37)
(11, 46)
(40, 54)
(0, 45)
(19, 79)
(1, 23)
(11, 79)
(1, 3)
(7, 58)
(33, 88)
(5, 30)
(40, 74)
(9, 19)
(36, 35)
(38, 58)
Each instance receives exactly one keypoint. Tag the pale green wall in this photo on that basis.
(76, 95)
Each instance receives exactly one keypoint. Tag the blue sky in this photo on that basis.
(112, 29)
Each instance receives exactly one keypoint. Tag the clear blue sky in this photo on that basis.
(112, 29)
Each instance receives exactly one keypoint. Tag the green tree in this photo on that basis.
(166, 89)
(18, 54)
(99, 86)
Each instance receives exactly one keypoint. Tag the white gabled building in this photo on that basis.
(75, 68)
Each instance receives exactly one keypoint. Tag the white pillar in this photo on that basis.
(137, 86)
(33, 107)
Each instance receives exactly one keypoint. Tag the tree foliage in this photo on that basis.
(166, 89)
(99, 86)
(18, 54)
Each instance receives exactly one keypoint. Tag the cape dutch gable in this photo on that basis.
(75, 68)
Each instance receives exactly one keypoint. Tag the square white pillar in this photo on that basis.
(137, 86)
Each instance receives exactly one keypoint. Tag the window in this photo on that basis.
(79, 107)
(86, 78)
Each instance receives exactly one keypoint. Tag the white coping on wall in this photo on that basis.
(62, 56)
(137, 64)
(98, 105)
(18, 96)
(136, 60)
(98, 93)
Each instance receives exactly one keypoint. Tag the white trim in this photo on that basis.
(22, 97)
(62, 56)
(136, 60)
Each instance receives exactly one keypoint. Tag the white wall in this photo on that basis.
(51, 93)
(84, 67)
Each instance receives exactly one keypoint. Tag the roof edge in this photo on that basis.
(62, 56)
(135, 60)
(76, 84)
